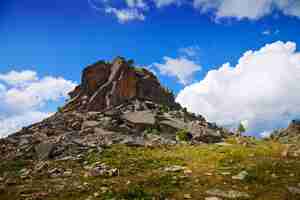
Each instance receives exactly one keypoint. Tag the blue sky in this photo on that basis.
(59, 38)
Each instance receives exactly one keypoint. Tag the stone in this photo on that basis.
(96, 194)
(174, 168)
(171, 124)
(24, 173)
(140, 118)
(39, 195)
(187, 196)
(104, 189)
(11, 181)
(68, 173)
(133, 141)
(285, 151)
(241, 176)
(274, 175)
(44, 150)
(101, 169)
(187, 171)
(40, 166)
(55, 172)
(89, 198)
(89, 124)
(231, 194)
(225, 173)
(223, 144)
(294, 190)
(212, 198)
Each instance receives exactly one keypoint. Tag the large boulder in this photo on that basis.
(44, 150)
(140, 119)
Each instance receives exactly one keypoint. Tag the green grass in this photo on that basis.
(154, 131)
(12, 167)
(142, 175)
(183, 136)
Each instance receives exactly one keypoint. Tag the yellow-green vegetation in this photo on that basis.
(183, 135)
(152, 130)
(164, 109)
(143, 175)
(139, 69)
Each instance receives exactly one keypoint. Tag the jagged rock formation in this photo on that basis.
(105, 85)
(115, 104)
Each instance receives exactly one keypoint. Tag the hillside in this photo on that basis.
(122, 136)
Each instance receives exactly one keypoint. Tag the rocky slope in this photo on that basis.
(289, 135)
(115, 104)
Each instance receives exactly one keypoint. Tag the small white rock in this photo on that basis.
(212, 198)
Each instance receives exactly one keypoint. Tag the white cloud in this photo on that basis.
(125, 15)
(15, 122)
(239, 9)
(266, 32)
(16, 78)
(162, 3)
(290, 7)
(265, 134)
(137, 4)
(191, 51)
(263, 88)
(249, 9)
(181, 67)
(269, 32)
(23, 95)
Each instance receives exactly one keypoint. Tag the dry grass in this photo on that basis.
(142, 174)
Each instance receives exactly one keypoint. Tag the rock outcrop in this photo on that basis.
(105, 85)
(115, 104)
(289, 135)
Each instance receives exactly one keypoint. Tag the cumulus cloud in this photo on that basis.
(16, 78)
(263, 89)
(238, 9)
(181, 68)
(249, 9)
(23, 95)
(125, 15)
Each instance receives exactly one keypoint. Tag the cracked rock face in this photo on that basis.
(105, 85)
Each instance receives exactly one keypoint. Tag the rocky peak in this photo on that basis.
(105, 85)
